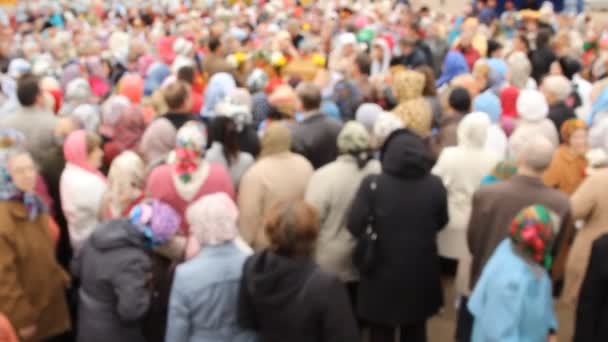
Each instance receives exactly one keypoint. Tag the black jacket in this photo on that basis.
(592, 310)
(559, 113)
(541, 60)
(410, 208)
(316, 139)
(285, 299)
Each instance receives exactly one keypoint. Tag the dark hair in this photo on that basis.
(364, 63)
(543, 38)
(186, 74)
(460, 100)
(224, 130)
(28, 90)
(292, 228)
(525, 40)
(310, 96)
(93, 142)
(429, 77)
(493, 46)
(176, 94)
(214, 44)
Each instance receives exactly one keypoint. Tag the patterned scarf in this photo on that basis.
(532, 234)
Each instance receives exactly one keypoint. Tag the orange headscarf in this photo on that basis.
(569, 127)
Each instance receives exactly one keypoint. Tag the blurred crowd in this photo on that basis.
(280, 170)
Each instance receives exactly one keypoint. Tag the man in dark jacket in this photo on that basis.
(411, 55)
(315, 136)
(556, 90)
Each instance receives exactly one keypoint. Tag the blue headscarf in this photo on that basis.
(487, 102)
(498, 74)
(220, 85)
(600, 105)
(157, 74)
(453, 65)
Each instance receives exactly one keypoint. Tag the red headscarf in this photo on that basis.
(75, 152)
(132, 87)
(508, 99)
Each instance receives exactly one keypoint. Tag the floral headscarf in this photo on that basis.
(157, 221)
(190, 145)
(532, 233)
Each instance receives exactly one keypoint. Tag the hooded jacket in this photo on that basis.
(410, 207)
(113, 268)
(291, 299)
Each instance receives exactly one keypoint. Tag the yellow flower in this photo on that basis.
(319, 60)
(278, 60)
(240, 57)
(306, 27)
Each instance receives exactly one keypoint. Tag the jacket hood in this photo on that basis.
(273, 280)
(473, 130)
(116, 234)
(405, 155)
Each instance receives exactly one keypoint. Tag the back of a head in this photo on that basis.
(276, 139)
(28, 90)
(364, 63)
(186, 74)
(214, 44)
(310, 96)
(473, 130)
(532, 105)
(557, 85)
(292, 228)
(543, 38)
(176, 95)
(536, 154)
(460, 100)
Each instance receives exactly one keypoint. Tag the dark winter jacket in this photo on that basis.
(316, 139)
(560, 113)
(285, 299)
(592, 310)
(410, 208)
(113, 268)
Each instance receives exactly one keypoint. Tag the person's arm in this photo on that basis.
(359, 212)
(317, 196)
(593, 295)
(251, 204)
(475, 224)
(584, 199)
(178, 322)
(130, 284)
(339, 322)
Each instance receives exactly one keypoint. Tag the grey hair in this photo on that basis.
(520, 69)
(537, 153)
(310, 95)
(558, 85)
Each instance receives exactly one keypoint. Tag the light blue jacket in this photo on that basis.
(203, 304)
(511, 302)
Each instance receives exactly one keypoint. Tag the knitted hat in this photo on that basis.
(353, 138)
(532, 233)
(532, 105)
(213, 219)
(157, 221)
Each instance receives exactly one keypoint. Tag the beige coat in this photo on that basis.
(589, 203)
(272, 179)
(32, 283)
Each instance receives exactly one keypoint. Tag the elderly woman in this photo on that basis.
(125, 185)
(82, 209)
(218, 88)
(116, 273)
(205, 290)
(331, 191)
(567, 169)
(557, 90)
(33, 283)
(517, 305)
(129, 129)
(413, 109)
(78, 92)
(189, 177)
(284, 295)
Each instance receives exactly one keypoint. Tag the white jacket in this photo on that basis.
(81, 199)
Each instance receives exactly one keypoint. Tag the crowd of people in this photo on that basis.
(254, 170)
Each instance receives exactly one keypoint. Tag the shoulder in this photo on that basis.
(6, 218)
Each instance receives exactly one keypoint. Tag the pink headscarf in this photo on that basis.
(75, 152)
(164, 48)
(144, 63)
(132, 87)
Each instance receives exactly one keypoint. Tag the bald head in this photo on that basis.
(536, 154)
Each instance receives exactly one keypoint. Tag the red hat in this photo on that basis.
(508, 100)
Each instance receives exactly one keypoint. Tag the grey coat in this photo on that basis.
(114, 269)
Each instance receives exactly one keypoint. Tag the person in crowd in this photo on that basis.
(402, 288)
(189, 176)
(542, 57)
(532, 109)
(131, 86)
(461, 168)
(567, 169)
(219, 86)
(284, 295)
(33, 283)
(587, 204)
(520, 70)
(557, 90)
(381, 56)
(454, 65)
(494, 206)
(331, 191)
(411, 56)
(384, 126)
(115, 271)
(215, 61)
(206, 308)
(277, 176)
(77, 93)
(497, 142)
(413, 109)
(32, 119)
(82, 209)
(130, 127)
(430, 92)
(159, 137)
(591, 309)
(187, 74)
(502, 171)
(225, 147)
(518, 304)
(315, 136)
(125, 185)
(348, 94)
(459, 107)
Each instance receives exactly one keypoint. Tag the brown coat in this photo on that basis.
(566, 172)
(32, 282)
(589, 203)
(495, 206)
(214, 65)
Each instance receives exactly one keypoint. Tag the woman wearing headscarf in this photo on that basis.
(567, 169)
(220, 85)
(331, 191)
(454, 65)
(78, 92)
(461, 168)
(520, 70)
(517, 305)
(284, 295)
(381, 56)
(487, 102)
(33, 283)
(413, 109)
(282, 107)
(98, 77)
(155, 76)
(130, 127)
(82, 209)
(116, 273)
(131, 86)
(367, 115)
(277, 176)
(188, 176)
(125, 185)
(400, 289)
(204, 296)
(344, 52)
(589, 203)
(430, 92)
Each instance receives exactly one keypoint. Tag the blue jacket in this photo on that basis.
(203, 305)
(510, 302)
